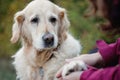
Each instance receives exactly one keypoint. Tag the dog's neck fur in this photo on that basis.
(41, 57)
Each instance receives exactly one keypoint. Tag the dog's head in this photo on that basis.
(41, 24)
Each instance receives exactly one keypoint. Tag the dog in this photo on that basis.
(42, 27)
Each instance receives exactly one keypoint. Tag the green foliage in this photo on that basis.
(9, 8)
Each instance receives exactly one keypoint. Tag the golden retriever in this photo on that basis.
(42, 27)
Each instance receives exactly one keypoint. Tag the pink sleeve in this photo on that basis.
(111, 56)
(109, 52)
(111, 73)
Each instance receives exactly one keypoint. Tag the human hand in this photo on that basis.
(72, 76)
(89, 59)
(71, 67)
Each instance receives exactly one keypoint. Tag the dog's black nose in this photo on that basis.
(48, 39)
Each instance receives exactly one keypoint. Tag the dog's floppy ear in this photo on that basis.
(16, 29)
(64, 25)
(64, 20)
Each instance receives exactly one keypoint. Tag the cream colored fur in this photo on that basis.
(73, 66)
(33, 54)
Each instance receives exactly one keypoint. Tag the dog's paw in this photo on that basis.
(73, 66)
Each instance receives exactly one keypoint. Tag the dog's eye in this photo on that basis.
(35, 20)
(53, 19)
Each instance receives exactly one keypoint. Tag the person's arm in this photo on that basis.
(72, 76)
(111, 73)
(89, 59)
(109, 52)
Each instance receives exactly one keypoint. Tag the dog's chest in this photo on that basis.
(43, 57)
(41, 72)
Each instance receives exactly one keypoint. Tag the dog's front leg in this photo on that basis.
(30, 73)
(73, 67)
(25, 71)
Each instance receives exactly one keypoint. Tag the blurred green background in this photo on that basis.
(84, 29)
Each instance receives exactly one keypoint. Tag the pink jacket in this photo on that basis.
(111, 55)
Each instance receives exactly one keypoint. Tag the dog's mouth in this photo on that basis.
(47, 41)
(48, 48)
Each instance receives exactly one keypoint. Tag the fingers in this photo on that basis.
(60, 78)
(73, 76)
(59, 73)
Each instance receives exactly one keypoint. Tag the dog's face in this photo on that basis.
(41, 24)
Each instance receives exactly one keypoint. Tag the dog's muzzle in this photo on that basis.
(48, 40)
